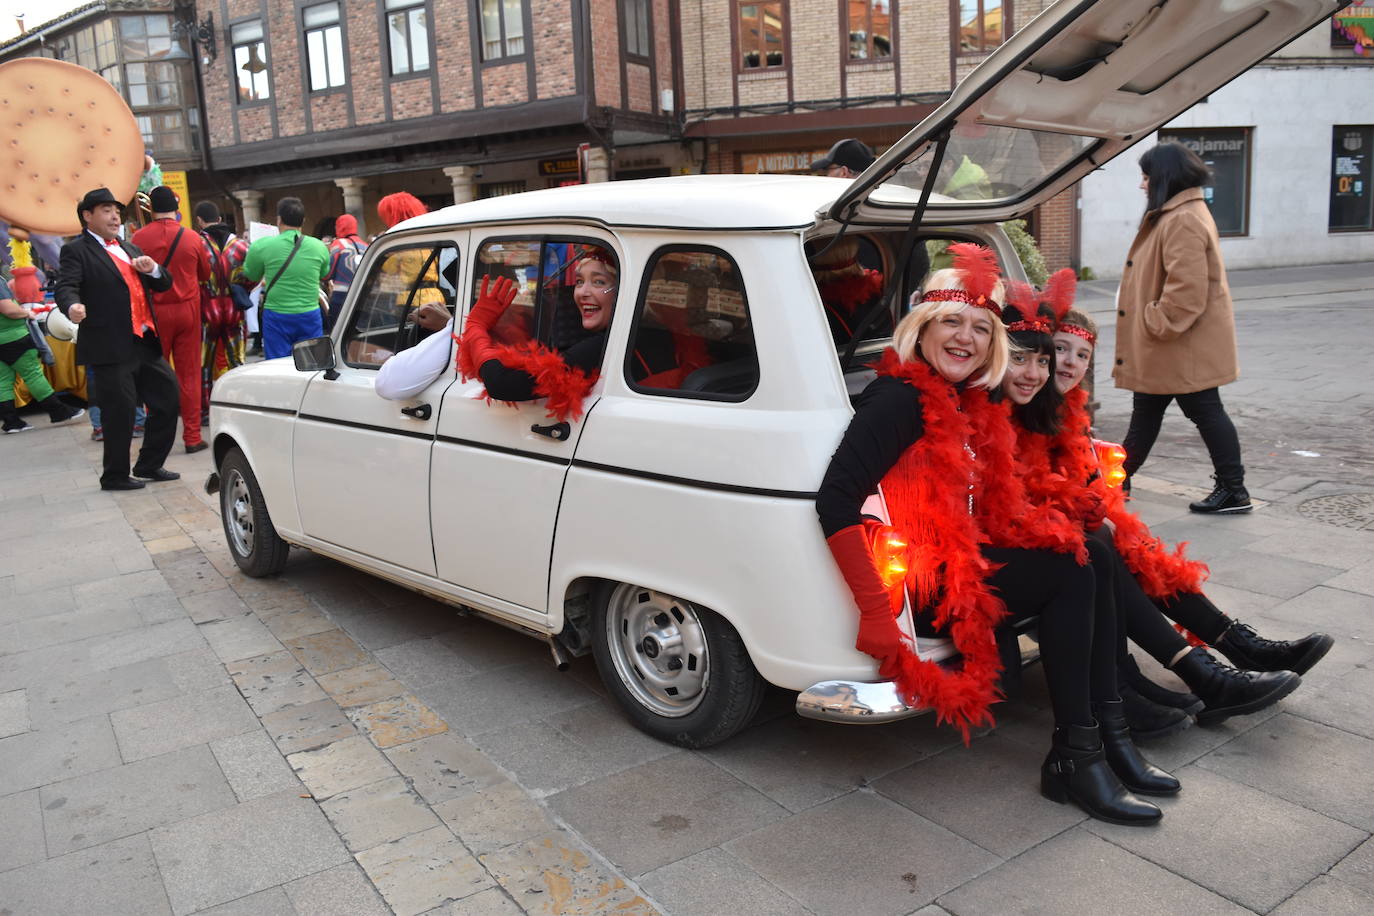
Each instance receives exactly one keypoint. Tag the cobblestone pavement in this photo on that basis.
(176, 737)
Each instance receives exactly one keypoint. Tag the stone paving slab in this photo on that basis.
(35, 759)
(228, 854)
(444, 767)
(67, 700)
(378, 813)
(339, 891)
(494, 817)
(397, 721)
(419, 872)
(21, 840)
(194, 718)
(331, 650)
(360, 686)
(1328, 897)
(273, 682)
(554, 874)
(304, 728)
(339, 767)
(254, 766)
(713, 882)
(14, 713)
(117, 879)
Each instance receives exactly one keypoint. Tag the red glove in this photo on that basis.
(25, 285)
(475, 346)
(879, 635)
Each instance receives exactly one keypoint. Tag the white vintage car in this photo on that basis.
(670, 529)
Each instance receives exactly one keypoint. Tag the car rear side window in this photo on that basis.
(400, 281)
(692, 335)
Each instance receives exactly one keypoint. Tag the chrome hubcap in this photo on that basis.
(238, 513)
(659, 649)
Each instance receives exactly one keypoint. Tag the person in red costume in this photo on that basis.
(528, 370)
(926, 431)
(1159, 581)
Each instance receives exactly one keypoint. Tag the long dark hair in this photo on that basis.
(1041, 415)
(1171, 167)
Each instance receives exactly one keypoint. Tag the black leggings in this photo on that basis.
(1079, 657)
(1142, 618)
(1205, 409)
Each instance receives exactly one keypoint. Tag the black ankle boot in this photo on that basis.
(1135, 772)
(1076, 770)
(59, 412)
(1229, 495)
(1227, 692)
(1245, 648)
(1150, 721)
(1133, 677)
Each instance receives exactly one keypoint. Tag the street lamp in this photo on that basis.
(201, 34)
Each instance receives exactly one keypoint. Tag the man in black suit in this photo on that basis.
(106, 285)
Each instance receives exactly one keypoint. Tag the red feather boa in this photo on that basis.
(562, 387)
(926, 494)
(1162, 572)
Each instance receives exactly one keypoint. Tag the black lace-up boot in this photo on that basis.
(1229, 495)
(1245, 648)
(1135, 772)
(1133, 677)
(1150, 721)
(1227, 692)
(1077, 771)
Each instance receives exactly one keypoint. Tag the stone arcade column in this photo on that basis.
(251, 202)
(598, 165)
(353, 200)
(464, 182)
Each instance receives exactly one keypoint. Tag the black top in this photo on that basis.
(887, 421)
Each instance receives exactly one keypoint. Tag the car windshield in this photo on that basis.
(989, 163)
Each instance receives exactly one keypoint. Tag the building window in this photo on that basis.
(407, 29)
(870, 29)
(153, 84)
(145, 37)
(981, 25)
(250, 61)
(1226, 151)
(1352, 168)
(500, 188)
(761, 39)
(96, 47)
(635, 15)
(163, 131)
(324, 45)
(503, 29)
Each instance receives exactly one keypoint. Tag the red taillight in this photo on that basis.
(889, 555)
(1112, 459)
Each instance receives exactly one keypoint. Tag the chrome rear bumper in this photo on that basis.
(855, 703)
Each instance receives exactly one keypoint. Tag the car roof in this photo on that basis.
(729, 202)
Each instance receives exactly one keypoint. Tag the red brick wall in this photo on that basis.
(453, 55)
(554, 62)
(505, 85)
(287, 59)
(1055, 230)
(637, 76)
(663, 52)
(606, 51)
(255, 124)
(329, 112)
(411, 99)
(366, 63)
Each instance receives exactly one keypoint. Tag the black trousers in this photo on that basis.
(1078, 634)
(145, 378)
(1205, 409)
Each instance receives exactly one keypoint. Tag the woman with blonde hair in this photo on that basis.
(926, 431)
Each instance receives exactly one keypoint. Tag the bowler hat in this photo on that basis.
(163, 199)
(94, 199)
(851, 153)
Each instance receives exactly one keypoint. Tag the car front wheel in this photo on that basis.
(680, 671)
(254, 543)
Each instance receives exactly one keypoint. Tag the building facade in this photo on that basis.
(340, 103)
(1291, 146)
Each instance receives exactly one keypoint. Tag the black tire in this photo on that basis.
(253, 541)
(680, 671)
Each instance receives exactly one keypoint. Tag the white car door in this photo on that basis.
(360, 462)
(498, 469)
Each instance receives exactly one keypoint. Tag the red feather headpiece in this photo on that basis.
(978, 273)
(1020, 312)
(1059, 292)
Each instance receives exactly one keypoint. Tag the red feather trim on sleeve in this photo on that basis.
(562, 387)
(1161, 572)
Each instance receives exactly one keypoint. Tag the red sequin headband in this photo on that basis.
(958, 295)
(1076, 331)
(1038, 324)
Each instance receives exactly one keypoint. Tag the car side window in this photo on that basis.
(692, 335)
(401, 280)
(544, 273)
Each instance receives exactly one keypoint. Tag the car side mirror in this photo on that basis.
(315, 354)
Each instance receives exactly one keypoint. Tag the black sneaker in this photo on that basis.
(1246, 649)
(16, 424)
(63, 413)
(1225, 497)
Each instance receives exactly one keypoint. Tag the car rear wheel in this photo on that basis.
(256, 546)
(680, 671)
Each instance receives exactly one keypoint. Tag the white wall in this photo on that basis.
(1291, 111)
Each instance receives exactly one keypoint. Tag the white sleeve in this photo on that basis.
(410, 372)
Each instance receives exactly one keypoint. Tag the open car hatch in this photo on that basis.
(1081, 83)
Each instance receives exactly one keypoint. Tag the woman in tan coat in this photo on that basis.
(1175, 329)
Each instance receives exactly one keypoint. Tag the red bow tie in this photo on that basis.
(112, 243)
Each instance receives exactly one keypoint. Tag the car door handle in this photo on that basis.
(421, 412)
(558, 431)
